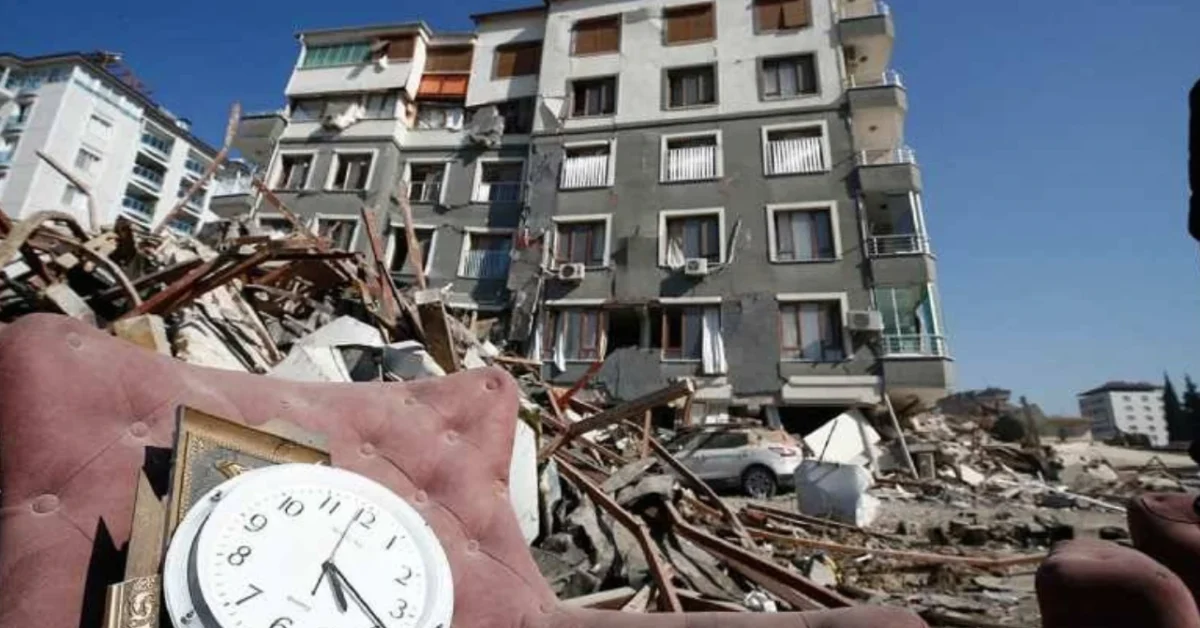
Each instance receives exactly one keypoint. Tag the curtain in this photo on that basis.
(675, 256)
(712, 344)
(560, 349)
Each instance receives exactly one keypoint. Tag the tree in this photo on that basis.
(1191, 404)
(1179, 421)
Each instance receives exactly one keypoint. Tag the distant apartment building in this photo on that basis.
(71, 112)
(713, 190)
(1126, 407)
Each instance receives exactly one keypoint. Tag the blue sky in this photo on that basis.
(1052, 138)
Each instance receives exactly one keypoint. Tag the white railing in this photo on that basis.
(901, 244)
(235, 186)
(796, 155)
(851, 9)
(914, 344)
(149, 176)
(886, 156)
(139, 207)
(691, 163)
(499, 192)
(890, 78)
(585, 171)
(425, 191)
(486, 264)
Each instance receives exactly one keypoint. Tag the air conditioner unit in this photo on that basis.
(571, 272)
(865, 321)
(695, 267)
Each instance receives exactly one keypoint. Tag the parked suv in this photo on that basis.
(755, 459)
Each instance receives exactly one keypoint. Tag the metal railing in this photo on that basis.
(138, 207)
(890, 78)
(500, 192)
(425, 191)
(898, 244)
(849, 10)
(235, 186)
(796, 155)
(163, 147)
(486, 264)
(191, 165)
(691, 163)
(886, 156)
(914, 344)
(585, 171)
(153, 178)
(15, 123)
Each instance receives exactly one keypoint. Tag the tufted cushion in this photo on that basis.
(1103, 585)
(1166, 527)
(77, 409)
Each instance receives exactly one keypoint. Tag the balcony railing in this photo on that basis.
(154, 179)
(235, 186)
(914, 344)
(890, 78)
(858, 8)
(585, 171)
(899, 244)
(486, 264)
(6, 159)
(886, 156)
(157, 144)
(15, 123)
(796, 155)
(500, 192)
(425, 191)
(691, 163)
(140, 208)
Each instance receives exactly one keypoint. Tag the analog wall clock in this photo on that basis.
(306, 546)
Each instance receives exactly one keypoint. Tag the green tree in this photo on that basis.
(1179, 421)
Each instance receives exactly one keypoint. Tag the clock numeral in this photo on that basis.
(401, 606)
(254, 592)
(291, 507)
(237, 558)
(282, 622)
(403, 580)
(366, 519)
(256, 523)
(331, 503)
(391, 542)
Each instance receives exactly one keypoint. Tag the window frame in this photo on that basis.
(760, 67)
(105, 123)
(277, 171)
(315, 226)
(574, 47)
(782, 208)
(261, 216)
(616, 86)
(396, 230)
(302, 63)
(664, 150)
(407, 177)
(96, 159)
(335, 164)
(668, 88)
(666, 215)
(513, 46)
(667, 10)
(468, 233)
(606, 219)
(682, 303)
(552, 321)
(478, 178)
(795, 126)
(798, 298)
(610, 175)
(759, 29)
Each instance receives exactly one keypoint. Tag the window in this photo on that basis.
(307, 109)
(425, 182)
(811, 331)
(23, 109)
(100, 128)
(351, 171)
(788, 77)
(499, 182)
(380, 105)
(910, 324)
(587, 166)
(594, 97)
(399, 48)
(439, 116)
(336, 54)
(597, 36)
(802, 234)
(449, 59)
(691, 87)
(695, 158)
(518, 115)
(576, 333)
(683, 331)
(74, 198)
(86, 160)
(581, 242)
(725, 440)
(339, 231)
(692, 236)
(687, 24)
(776, 15)
(294, 171)
(795, 151)
(522, 59)
(195, 164)
(274, 227)
(401, 264)
(485, 255)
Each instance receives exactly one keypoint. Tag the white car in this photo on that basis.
(756, 459)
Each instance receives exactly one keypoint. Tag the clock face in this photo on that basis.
(305, 546)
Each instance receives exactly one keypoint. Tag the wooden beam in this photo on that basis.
(410, 236)
(381, 267)
(620, 413)
(438, 339)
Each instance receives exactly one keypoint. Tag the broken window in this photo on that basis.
(910, 324)
(787, 77)
(500, 182)
(624, 329)
(581, 243)
(401, 264)
(795, 151)
(520, 59)
(691, 23)
(594, 97)
(804, 235)
(518, 115)
(691, 87)
(574, 334)
(596, 36)
(425, 182)
(586, 166)
(307, 109)
(339, 232)
(439, 116)
(352, 171)
(274, 227)
(775, 15)
(690, 158)
(293, 172)
(811, 331)
(486, 256)
(690, 237)
(683, 331)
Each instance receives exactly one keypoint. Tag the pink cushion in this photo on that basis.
(1166, 527)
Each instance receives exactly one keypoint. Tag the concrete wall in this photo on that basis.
(485, 86)
(644, 57)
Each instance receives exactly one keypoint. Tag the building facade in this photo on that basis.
(1126, 408)
(712, 190)
(71, 112)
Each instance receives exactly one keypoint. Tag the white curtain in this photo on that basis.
(535, 351)
(675, 257)
(712, 345)
(560, 345)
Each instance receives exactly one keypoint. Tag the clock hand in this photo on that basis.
(333, 553)
(339, 596)
(358, 598)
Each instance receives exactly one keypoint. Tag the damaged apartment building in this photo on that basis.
(643, 190)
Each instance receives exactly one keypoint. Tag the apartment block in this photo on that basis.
(643, 189)
(74, 113)
(1126, 408)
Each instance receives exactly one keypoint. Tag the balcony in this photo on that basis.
(691, 163)
(888, 170)
(139, 209)
(157, 147)
(15, 124)
(868, 35)
(486, 264)
(877, 90)
(585, 171)
(6, 159)
(148, 178)
(898, 244)
(914, 345)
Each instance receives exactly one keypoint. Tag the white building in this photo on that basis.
(71, 109)
(1126, 407)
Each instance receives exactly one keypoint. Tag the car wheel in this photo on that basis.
(759, 482)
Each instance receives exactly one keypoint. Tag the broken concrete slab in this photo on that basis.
(312, 364)
(836, 491)
(848, 439)
(342, 331)
(147, 331)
